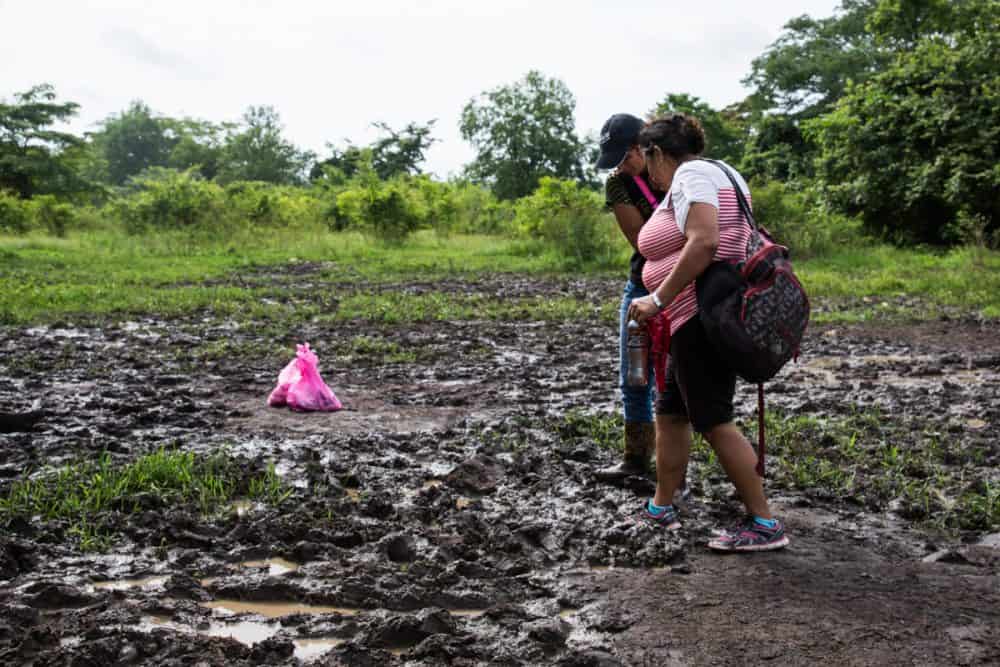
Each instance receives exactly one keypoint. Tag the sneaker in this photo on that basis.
(669, 519)
(750, 536)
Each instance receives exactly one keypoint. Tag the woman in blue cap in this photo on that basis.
(632, 199)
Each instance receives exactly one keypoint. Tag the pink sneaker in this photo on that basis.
(668, 519)
(751, 536)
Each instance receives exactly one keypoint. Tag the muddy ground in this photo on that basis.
(448, 515)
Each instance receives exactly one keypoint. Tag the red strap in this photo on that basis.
(760, 429)
(653, 201)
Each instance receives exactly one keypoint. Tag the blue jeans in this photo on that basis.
(637, 401)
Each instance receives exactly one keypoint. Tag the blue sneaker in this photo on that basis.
(668, 518)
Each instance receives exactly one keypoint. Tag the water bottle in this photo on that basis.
(637, 345)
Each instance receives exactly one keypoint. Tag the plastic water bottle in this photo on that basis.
(637, 345)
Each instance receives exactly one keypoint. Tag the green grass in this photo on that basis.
(92, 276)
(875, 460)
(868, 458)
(84, 493)
(965, 278)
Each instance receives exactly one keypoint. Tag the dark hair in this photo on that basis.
(677, 135)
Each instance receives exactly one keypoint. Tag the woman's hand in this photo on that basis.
(642, 309)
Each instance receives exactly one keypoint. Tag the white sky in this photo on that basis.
(332, 68)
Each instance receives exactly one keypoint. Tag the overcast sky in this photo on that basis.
(331, 68)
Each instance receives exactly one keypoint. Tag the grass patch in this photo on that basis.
(46, 279)
(964, 278)
(379, 350)
(880, 463)
(603, 429)
(106, 274)
(85, 494)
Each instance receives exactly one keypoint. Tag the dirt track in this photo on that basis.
(448, 516)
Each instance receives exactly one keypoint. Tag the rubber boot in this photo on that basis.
(640, 444)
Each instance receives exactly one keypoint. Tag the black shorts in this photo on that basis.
(699, 385)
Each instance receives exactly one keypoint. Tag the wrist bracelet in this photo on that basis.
(659, 304)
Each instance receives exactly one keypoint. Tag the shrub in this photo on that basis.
(441, 204)
(480, 212)
(169, 199)
(568, 218)
(798, 220)
(15, 214)
(269, 205)
(389, 210)
(53, 216)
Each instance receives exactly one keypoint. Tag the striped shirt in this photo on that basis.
(662, 238)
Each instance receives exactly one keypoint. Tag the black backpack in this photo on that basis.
(755, 312)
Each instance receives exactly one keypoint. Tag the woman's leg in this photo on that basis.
(673, 447)
(759, 531)
(739, 461)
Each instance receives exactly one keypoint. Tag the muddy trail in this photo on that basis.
(448, 515)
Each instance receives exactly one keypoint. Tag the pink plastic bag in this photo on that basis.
(301, 388)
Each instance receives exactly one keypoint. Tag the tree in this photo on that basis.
(914, 148)
(522, 132)
(776, 149)
(807, 69)
(393, 154)
(133, 141)
(35, 159)
(199, 144)
(259, 152)
(801, 76)
(401, 152)
(723, 129)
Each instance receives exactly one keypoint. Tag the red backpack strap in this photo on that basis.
(647, 193)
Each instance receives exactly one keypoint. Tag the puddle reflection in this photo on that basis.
(245, 632)
(127, 584)
(275, 566)
(306, 649)
(276, 609)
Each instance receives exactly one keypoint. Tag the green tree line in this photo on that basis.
(885, 112)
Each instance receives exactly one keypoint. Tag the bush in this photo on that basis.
(54, 217)
(568, 218)
(440, 204)
(389, 210)
(269, 205)
(480, 212)
(798, 220)
(15, 214)
(168, 199)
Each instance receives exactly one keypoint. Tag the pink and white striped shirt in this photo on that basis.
(662, 238)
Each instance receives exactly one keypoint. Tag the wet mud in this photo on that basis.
(448, 515)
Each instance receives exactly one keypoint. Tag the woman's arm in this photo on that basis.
(702, 232)
(629, 221)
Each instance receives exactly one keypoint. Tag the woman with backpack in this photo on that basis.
(697, 223)
(632, 200)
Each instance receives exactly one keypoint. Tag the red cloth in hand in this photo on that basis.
(659, 347)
